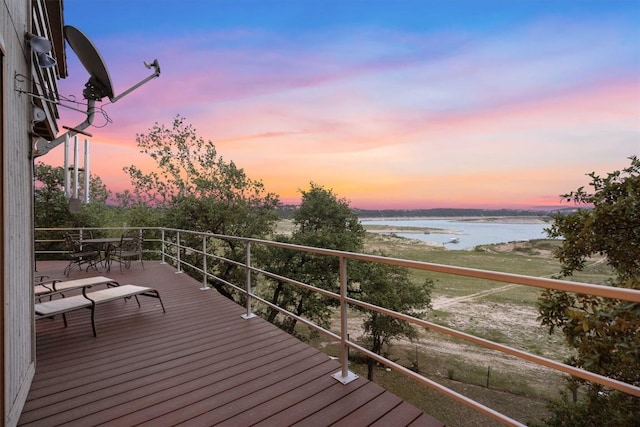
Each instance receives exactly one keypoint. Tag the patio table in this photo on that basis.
(105, 245)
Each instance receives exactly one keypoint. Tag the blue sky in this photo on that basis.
(293, 16)
(395, 104)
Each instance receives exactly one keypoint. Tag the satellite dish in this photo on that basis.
(99, 84)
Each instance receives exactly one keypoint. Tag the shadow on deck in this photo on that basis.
(198, 364)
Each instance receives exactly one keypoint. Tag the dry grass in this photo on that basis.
(503, 313)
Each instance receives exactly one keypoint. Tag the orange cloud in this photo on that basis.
(505, 120)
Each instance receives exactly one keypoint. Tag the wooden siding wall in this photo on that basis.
(18, 352)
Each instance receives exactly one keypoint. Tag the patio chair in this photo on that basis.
(80, 254)
(129, 249)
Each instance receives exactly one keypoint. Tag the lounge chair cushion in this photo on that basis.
(62, 305)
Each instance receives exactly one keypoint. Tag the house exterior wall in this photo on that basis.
(16, 193)
(17, 302)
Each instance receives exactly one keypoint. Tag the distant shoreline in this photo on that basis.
(408, 229)
(483, 219)
(285, 226)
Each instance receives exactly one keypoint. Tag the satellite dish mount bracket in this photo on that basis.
(97, 87)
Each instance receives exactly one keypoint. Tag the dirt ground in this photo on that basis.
(492, 320)
(524, 386)
(448, 358)
(518, 388)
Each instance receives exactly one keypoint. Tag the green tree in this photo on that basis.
(196, 189)
(97, 211)
(131, 212)
(51, 206)
(390, 287)
(605, 333)
(323, 220)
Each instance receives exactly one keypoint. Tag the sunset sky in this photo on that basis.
(392, 104)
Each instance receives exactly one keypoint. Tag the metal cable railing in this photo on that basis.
(172, 246)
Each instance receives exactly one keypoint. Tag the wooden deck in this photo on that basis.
(198, 364)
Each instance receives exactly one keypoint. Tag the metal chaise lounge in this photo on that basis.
(91, 299)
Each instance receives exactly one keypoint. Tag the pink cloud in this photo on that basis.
(511, 119)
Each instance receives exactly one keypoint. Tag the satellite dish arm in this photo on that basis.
(42, 146)
(155, 74)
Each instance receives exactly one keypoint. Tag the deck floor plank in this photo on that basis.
(200, 363)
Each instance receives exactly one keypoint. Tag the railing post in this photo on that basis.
(344, 375)
(141, 240)
(204, 264)
(178, 252)
(163, 248)
(81, 237)
(248, 314)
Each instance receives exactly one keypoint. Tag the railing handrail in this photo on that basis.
(625, 294)
(605, 291)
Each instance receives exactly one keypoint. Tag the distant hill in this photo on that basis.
(445, 212)
(287, 211)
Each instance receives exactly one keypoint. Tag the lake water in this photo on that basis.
(469, 233)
